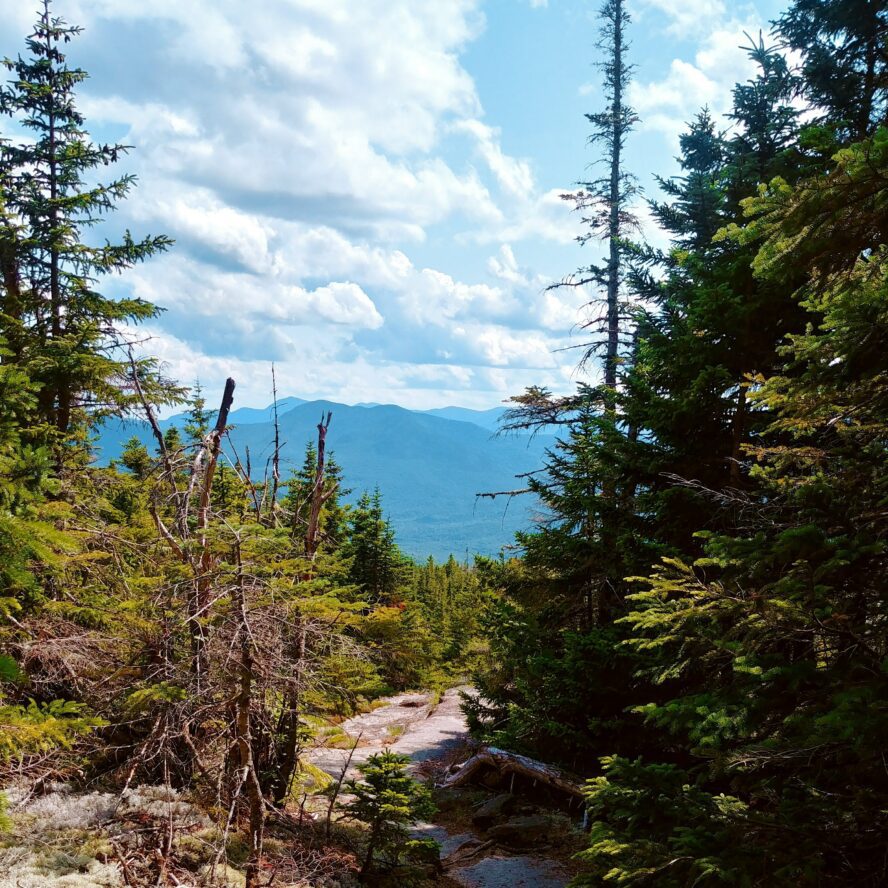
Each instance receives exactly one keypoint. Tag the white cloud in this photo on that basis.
(721, 60)
(503, 348)
(689, 17)
(344, 303)
(303, 154)
(339, 103)
(320, 370)
(514, 176)
(544, 215)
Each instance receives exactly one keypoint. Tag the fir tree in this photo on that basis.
(844, 61)
(197, 423)
(67, 332)
(377, 565)
(389, 801)
(771, 644)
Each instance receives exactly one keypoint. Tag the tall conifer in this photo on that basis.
(66, 330)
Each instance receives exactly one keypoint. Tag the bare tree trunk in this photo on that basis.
(201, 589)
(341, 779)
(371, 848)
(614, 223)
(288, 755)
(512, 763)
(61, 408)
(276, 457)
(288, 752)
(318, 495)
(243, 729)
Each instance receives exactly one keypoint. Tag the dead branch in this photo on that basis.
(509, 493)
(512, 763)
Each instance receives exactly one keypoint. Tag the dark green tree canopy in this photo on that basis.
(55, 318)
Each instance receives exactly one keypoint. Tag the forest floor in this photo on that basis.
(65, 837)
(435, 736)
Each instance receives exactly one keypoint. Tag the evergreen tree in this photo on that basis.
(333, 519)
(772, 644)
(712, 323)
(389, 801)
(627, 482)
(377, 565)
(56, 321)
(197, 423)
(844, 61)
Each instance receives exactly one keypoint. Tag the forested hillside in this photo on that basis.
(694, 628)
(417, 458)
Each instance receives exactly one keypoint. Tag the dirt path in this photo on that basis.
(410, 724)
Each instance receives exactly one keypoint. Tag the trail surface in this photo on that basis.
(410, 724)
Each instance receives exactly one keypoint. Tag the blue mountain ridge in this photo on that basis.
(428, 466)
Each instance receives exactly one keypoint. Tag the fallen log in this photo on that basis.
(512, 763)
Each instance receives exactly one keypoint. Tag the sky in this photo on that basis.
(366, 193)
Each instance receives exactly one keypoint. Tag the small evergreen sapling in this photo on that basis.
(389, 800)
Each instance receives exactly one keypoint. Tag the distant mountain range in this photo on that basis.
(428, 464)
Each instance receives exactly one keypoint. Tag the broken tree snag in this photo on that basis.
(318, 495)
(276, 456)
(211, 445)
(512, 763)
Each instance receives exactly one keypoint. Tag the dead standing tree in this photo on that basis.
(289, 722)
(179, 725)
(191, 548)
(319, 496)
(204, 469)
(243, 622)
(248, 776)
(605, 202)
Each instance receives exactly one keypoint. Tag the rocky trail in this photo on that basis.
(480, 832)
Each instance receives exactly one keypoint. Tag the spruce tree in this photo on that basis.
(844, 61)
(390, 801)
(297, 500)
(67, 332)
(625, 483)
(377, 564)
(773, 643)
(199, 417)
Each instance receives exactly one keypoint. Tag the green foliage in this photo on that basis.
(389, 800)
(59, 328)
(658, 827)
(36, 728)
(378, 567)
(843, 65)
(5, 822)
(702, 602)
(333, 519)
(738, 681)
(148, 697)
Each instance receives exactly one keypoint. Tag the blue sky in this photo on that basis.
(366, 192)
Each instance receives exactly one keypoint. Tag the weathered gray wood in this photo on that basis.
(512, 763)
